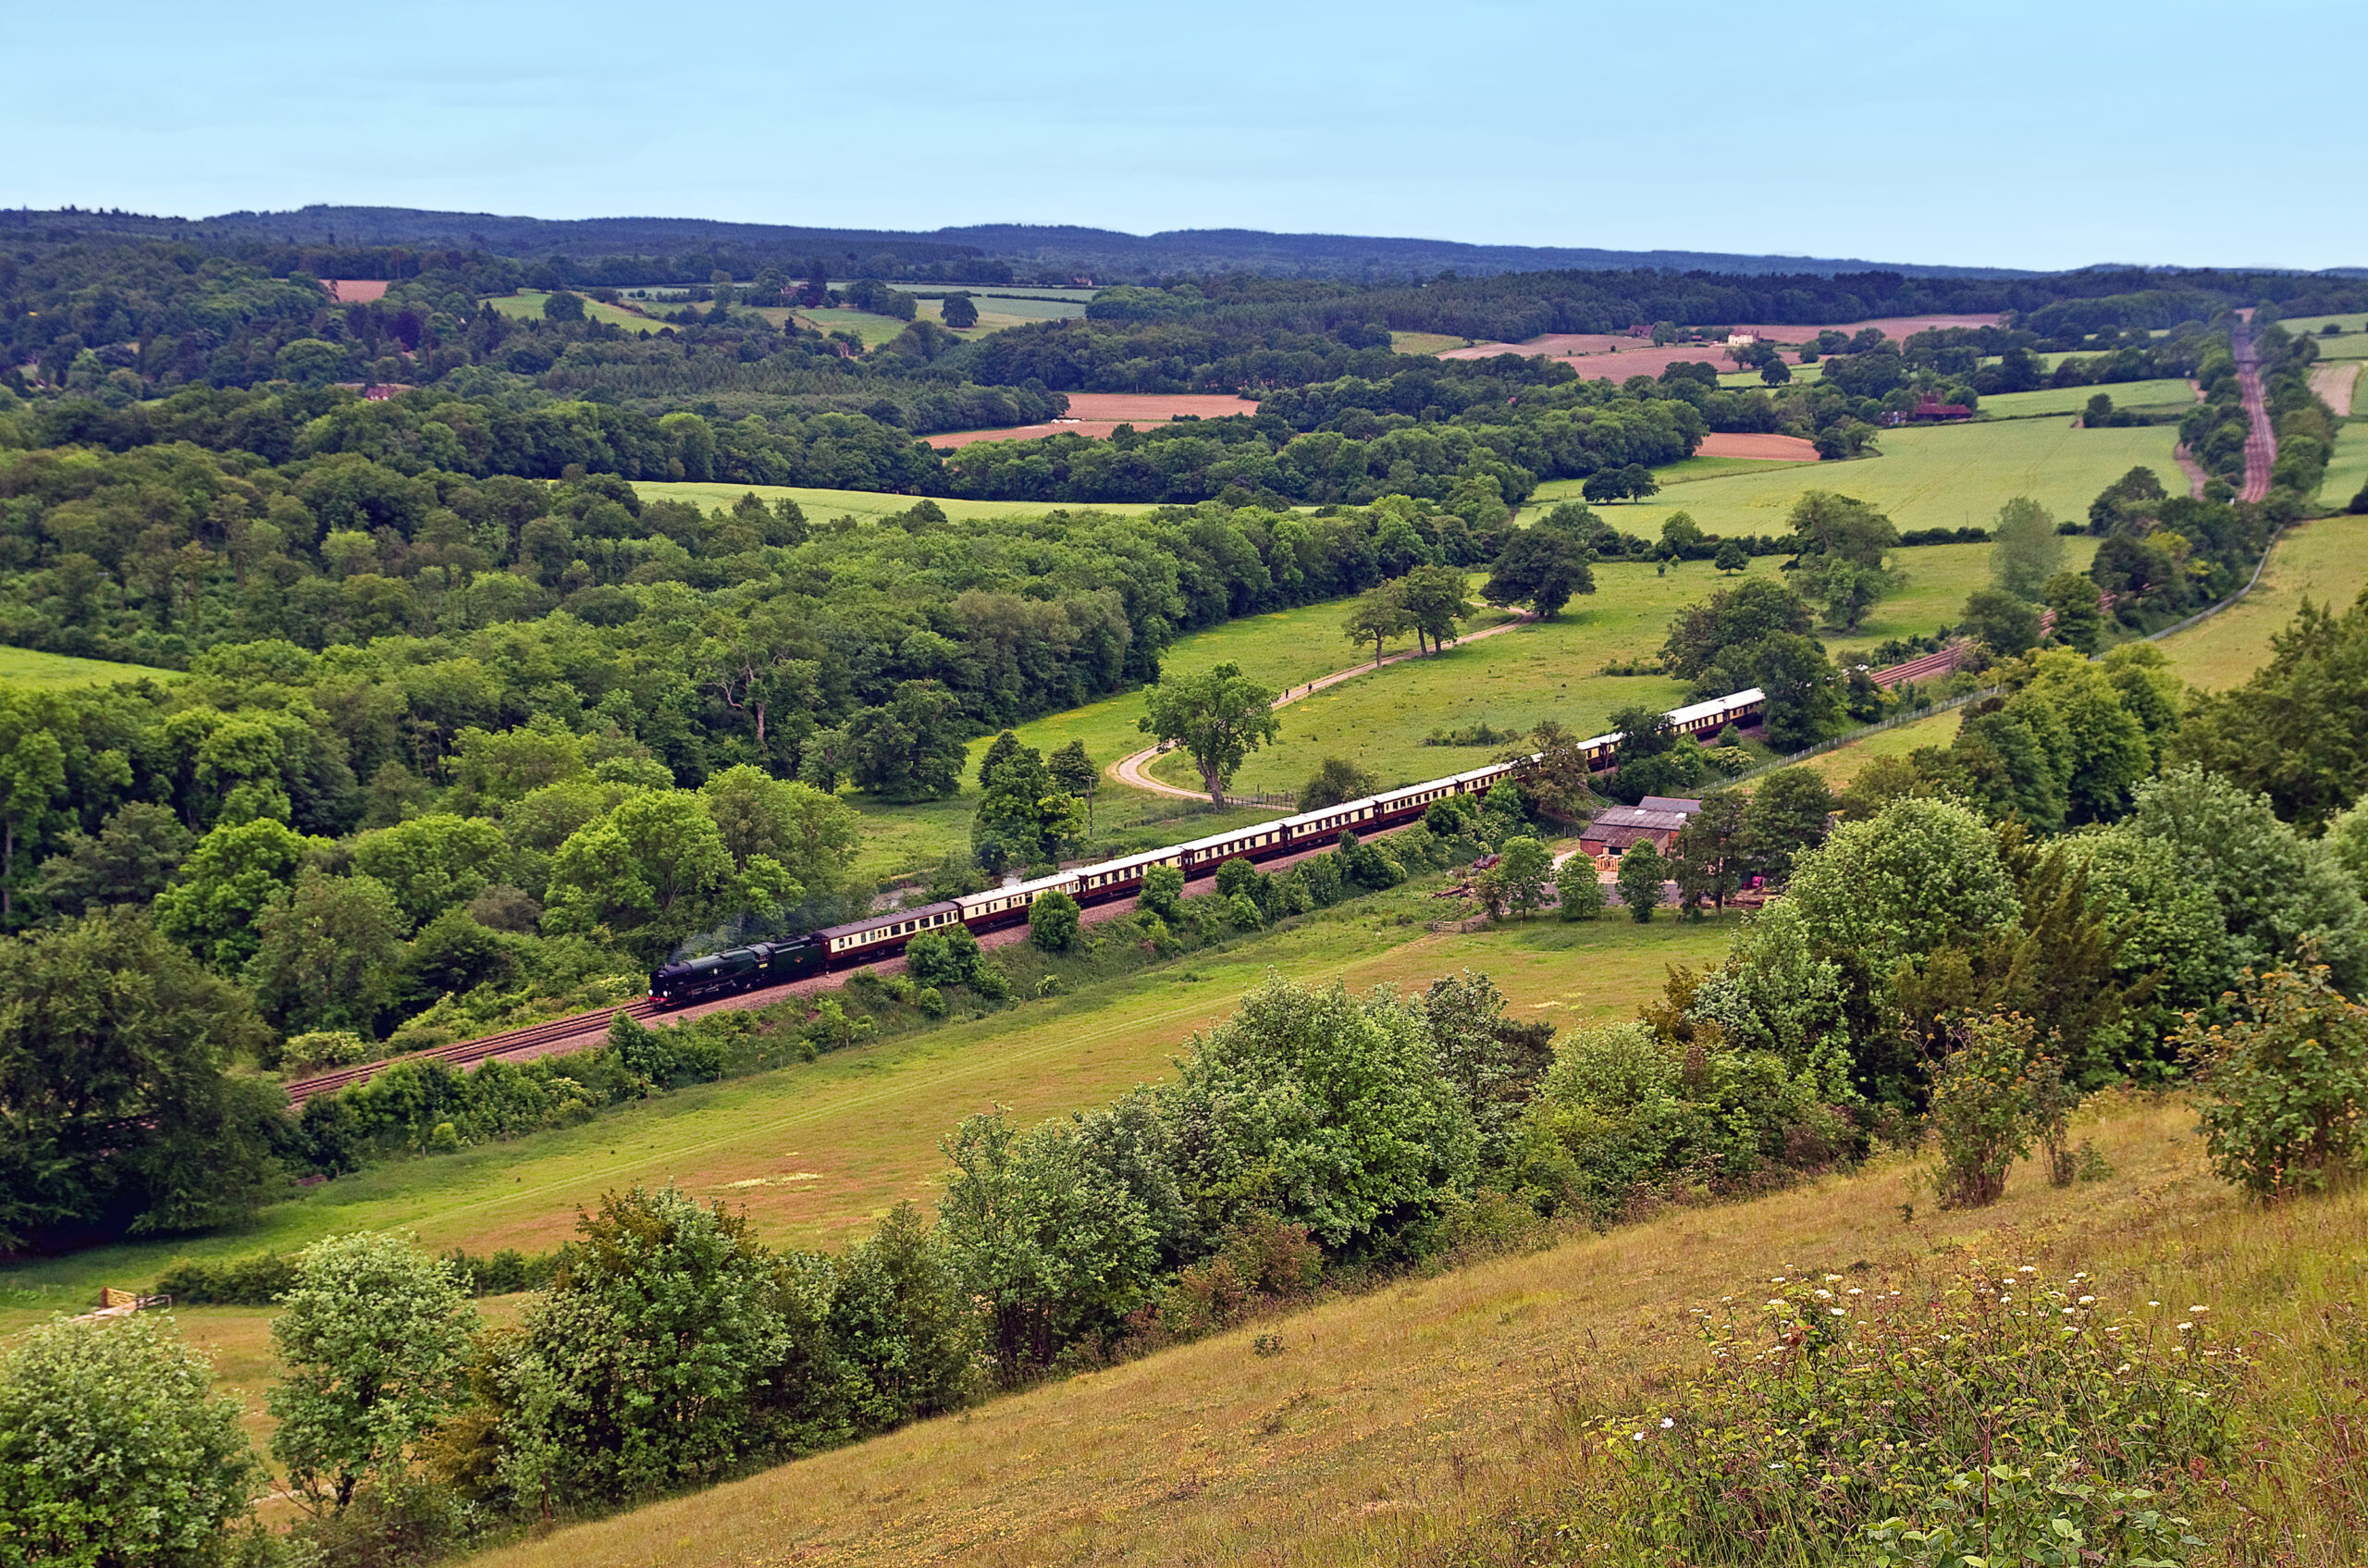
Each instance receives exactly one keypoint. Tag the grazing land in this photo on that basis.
(866, 505)
(28, 669)
(528, 305)
(2163, 394)
(872, 329)
(1390, 1426)
(2325, 561)
(1096, 414)
(2351, 344)
(1425, 342)
(1552, 669)
(2348, 468)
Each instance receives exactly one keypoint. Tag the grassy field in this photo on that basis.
(873, 329)
(868, 505)
(1425, 342)
(2348, 468)
(1940, 478)
(2327, 559)
(817, 1153)
(29, 669)
(1396, 1424)
(1552, 669)
(2167, 393)
(2352, 344)
(528, 305)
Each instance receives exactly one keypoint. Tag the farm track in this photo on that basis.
(1128, 769)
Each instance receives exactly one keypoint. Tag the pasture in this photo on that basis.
(2167, 394)
(528, 305)
(873, 330)
(26, 669)
(2325, 561)
(2352, 342)
(817, 1153)
(2348, 467)
(1553, 669)
(867, 506)
(1407, 1423)
(1425, 342)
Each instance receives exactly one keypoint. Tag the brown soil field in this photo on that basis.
(354, 291)
(1096, 414)
(1780, 449)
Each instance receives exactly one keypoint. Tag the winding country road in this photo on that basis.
(1128, 769)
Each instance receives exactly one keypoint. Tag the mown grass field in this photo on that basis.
(2348, 468)
(528, 305)
(2164, 393)
(867, 505)
(1554, 668)
(1394, 1426)
(2351, 344)
(30, 669)
(817, 1153)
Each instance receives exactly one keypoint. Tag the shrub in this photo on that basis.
(1162, 892)
(1981, 1108)
(1053, 921)
(2287, 1085)
(2012, 1420)
(949, 956)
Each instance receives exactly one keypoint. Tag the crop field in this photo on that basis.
(1389, 1427)
(1926, 478)
(29, 669)
(865, 505)
(1552, 669)
(2167, 393)
(818, 1152)
(528, 305)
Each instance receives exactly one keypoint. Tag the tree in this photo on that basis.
(1578, 889)
(134, 856)
(1641, 875)
(433, 862)
(902, 1325)
(1920, 875)
(1732, 557)
(1541, 567)
(2025, 549)
(810, 834)
(1804, 690)
(911, 749)
(1219, 718)
(1841, 544)
(1053, 921)
(2079, 622)
(1025, 816)
(2003, 623)
(1709, 643)
(234, 872)
(114, 1095)
(1522, 873)
(959, 313)
(1048, 1243)
(1379, 614)
(1708, 853)
(1434, 599)
(1074, 772)
(33, 777)
(1162, 891)
(115, 1451)
(1001, 750)
(1328, 1110)
(1776, 373)
(1335, 781)
(327, 954)
(1785, 816)
(2292, 731)
(373, 1337)
(1680, 533)
(652, 872)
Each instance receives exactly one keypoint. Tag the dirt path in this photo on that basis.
(1129, 770)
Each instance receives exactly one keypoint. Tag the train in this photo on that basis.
(761, 964)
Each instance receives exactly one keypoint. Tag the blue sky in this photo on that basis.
(2010, 134)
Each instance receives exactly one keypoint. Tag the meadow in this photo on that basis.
(1553, 669)
(865, 505)
(528, 305)
(26, 669)
(2351, 344)
(2348, 466)
(2325, 561)
(2167, 394)
(1406, 1423)
(1425, 342)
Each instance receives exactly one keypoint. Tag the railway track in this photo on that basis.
(532, 1040)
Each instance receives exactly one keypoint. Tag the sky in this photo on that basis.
(2004, 134)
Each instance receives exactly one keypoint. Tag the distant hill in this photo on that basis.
(1097, 252)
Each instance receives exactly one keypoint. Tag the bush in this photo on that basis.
(2018, 1419)
(1053, 921)
(2287, 1085)
(1162, 892)
(1982, 1110)
(1578, 889)
(949, 956)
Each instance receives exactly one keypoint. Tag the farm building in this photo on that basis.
(1616, 828)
